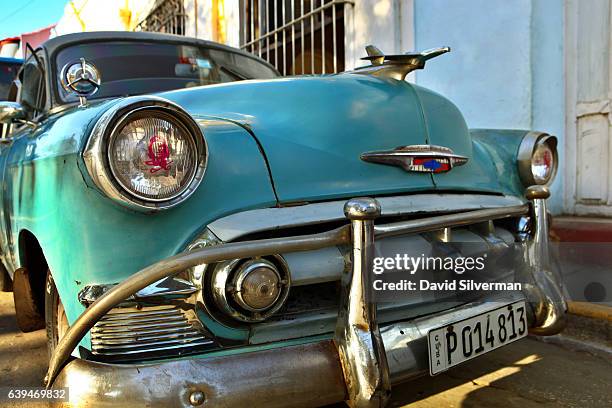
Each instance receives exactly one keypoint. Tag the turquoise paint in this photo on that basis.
(479, 172)
(87, 238)
(501, 147)
(313, 130)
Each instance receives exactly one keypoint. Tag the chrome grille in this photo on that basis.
(132, 331)
(312, 307)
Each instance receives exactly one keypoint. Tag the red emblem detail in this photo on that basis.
(159, 154)
(432, 164)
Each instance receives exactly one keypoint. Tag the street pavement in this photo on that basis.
(526, 374)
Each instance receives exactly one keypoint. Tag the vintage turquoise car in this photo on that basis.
(194, 230)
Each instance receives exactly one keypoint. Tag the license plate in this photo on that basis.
(460, 341)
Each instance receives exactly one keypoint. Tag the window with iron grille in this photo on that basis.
(167, 16)
(296, 36)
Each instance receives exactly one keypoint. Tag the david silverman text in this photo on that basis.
(463, 284)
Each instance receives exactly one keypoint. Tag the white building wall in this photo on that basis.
(200, 22)
(388, 24)
(107, 15)
(232, 21)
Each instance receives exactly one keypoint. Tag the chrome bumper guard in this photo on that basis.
(357, 366)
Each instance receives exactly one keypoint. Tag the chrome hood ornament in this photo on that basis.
(418, 158)
(399, 65)
(81, 78)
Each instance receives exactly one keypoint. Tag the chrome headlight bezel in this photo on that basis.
(96, 152)
(525, 154)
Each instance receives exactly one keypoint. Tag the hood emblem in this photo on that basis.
(417, 158)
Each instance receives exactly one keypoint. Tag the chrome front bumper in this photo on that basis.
(308, 375)
(358, 365)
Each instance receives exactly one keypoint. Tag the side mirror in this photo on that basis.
(11, 112)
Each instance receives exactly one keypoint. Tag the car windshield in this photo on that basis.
(132, 68)
(8, 72)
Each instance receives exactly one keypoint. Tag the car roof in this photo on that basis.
(57, 43)
(11, 60)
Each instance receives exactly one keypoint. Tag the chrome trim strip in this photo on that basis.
(137, 338)
(150, 345)
(131, 329)
(120, 316)
(446, 221)
(141, 323)
(243, 223)
(144, 333)
(123, 352)
(169, 286)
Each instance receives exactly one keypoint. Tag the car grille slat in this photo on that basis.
(138, 315)
(133, 327)
(202, 344)
(145, 321)
(139, 339)
(148, 344)
(110, 335)
(164, 331)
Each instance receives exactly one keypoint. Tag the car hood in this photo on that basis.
(313, 130)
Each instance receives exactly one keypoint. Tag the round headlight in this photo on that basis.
(537, 159)
(146, 153)
(152, 155)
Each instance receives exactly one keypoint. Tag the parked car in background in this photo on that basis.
(8, 72)
(193, 229)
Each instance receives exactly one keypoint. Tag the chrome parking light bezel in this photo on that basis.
(95, 154)
(223, 280)
(525, 154)
(243, 273)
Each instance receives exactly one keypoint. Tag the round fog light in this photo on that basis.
(257, 285)
(250, 290)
